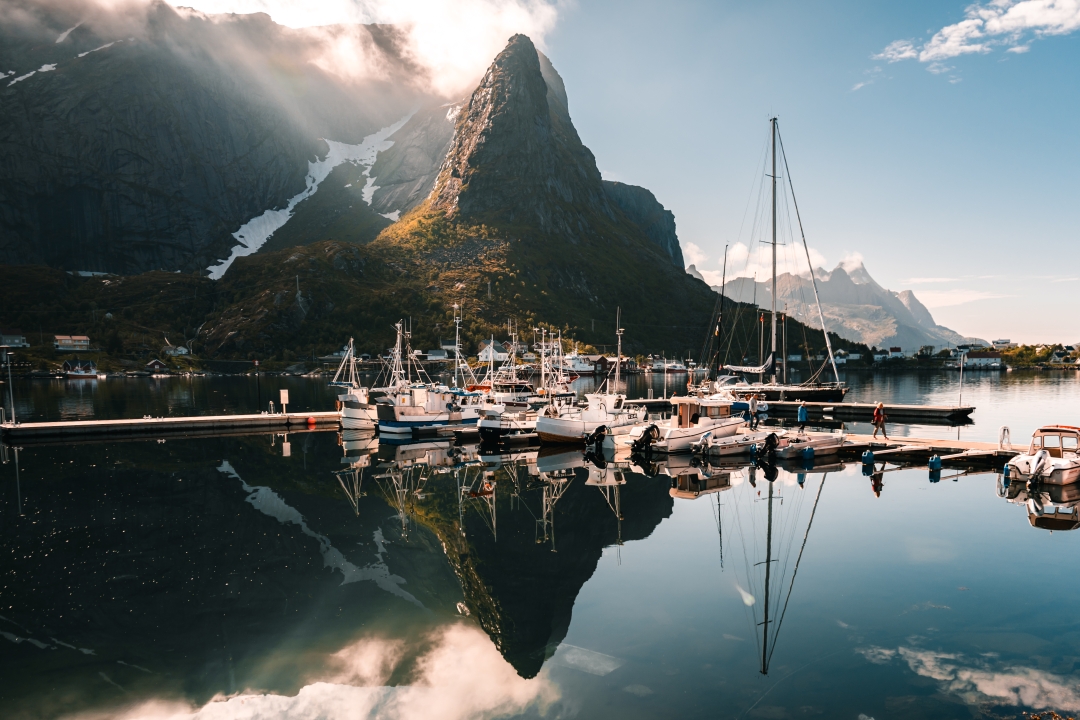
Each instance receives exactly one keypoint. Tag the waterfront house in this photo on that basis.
(983, 359)
(439, 354)
(156, 366)
(854, 356)
(1059, 357)
(880, 356)
(840, 357)
(71, 343)
(498, 351)
(13, 337)
(794, 358)
(178, 350)
(895, 352)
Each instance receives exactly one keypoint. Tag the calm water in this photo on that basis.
(327, 577)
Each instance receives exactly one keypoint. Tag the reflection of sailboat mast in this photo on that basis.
(797, 561)
(768, 568)
(352, 488)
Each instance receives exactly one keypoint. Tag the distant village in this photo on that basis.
(61, 353)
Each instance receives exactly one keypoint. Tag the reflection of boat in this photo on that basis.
(1049, 507)
(1053, 456)
(691, 419)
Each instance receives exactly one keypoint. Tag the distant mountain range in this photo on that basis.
(855, 307)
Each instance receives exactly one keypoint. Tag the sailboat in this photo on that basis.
(775, 389)
(357, 411)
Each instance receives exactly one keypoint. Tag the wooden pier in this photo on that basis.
(163, 426)
(952, 452)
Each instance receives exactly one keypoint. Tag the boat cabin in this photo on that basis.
(1056, 440)
(689, 411)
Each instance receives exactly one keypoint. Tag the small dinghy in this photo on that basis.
(740, 444)
(1052, 458)
(793, 446)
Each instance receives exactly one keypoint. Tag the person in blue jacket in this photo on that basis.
(802, 416)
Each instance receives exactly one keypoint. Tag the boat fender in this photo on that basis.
(753, 449)
(935, 476)
(1006, 473)
(310, 422)
(808, 453)
(868, 457)
(337, 405)
(935, 462)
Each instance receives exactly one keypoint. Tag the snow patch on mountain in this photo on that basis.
(63, 35)
(106, 45)
(253, 234)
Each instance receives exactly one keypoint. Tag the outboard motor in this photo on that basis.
(595, 439)
(648, 437)
(769, 446)
(1040, 463)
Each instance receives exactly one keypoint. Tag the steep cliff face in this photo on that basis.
(656, 221)
(515, 159)
(141, 138)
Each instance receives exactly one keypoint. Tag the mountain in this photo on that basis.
(855, 306)
(141, 136)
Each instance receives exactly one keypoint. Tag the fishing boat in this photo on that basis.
(1053, 457)
(691, 419)
(607, 410)
(513, 406)
(775, 388)
(357, 411)
(80, 370)
(412, 405)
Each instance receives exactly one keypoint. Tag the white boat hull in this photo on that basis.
(822, 445)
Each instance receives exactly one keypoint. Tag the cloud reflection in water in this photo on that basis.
(460, 675)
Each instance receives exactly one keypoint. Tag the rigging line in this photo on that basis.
(751, 587)
(813, 280)
(797, 561)
(798, 669)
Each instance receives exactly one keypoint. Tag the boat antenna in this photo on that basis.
(813, 279)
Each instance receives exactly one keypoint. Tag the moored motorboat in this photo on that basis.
(691, 419)
(742, 443)
(1053, 457)
(795, 446)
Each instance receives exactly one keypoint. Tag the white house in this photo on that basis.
(854, 356)
(794, 358)
(176, 350)
(13, 337)
(881, 356)
(436, 354)
(497, 352)
(895, 352)
(987, 360)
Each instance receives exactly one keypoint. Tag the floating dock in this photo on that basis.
(163, 426)
(934, 414)
(865, 411)
(952, 452)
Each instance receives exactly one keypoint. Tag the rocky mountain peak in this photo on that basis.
(515, 157)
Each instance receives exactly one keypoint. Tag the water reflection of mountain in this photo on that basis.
(196, 568)
(521, 568)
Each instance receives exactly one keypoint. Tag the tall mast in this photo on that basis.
(774, 244)
(618, 351)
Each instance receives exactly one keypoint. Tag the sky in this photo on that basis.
(934, 141)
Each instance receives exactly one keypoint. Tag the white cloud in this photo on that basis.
(744, 262)
(921, 280)
(987, 25)
(453, 41)
(897, 50)
(957, 296)
(461, 676)
(694, 254)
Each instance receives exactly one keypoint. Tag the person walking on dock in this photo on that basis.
(802, 416)
(753, 412)
(879, 420)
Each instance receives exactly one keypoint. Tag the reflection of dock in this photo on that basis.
(158, 427)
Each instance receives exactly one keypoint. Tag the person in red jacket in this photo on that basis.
(879, 420)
